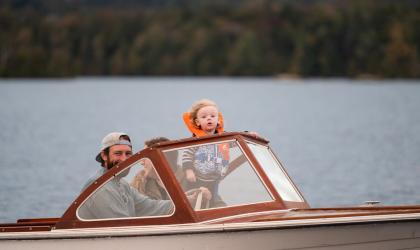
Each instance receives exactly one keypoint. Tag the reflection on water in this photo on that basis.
(342, 142)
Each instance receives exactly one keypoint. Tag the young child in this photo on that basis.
(205, 165)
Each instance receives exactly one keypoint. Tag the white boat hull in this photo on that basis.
(260, 236)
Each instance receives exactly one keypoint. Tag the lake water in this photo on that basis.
(343, 142)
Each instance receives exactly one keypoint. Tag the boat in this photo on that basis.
(261, 208)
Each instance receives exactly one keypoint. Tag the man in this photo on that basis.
(117, 199)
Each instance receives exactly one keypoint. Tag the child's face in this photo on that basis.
(207, 118)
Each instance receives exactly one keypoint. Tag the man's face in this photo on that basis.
(117, 154)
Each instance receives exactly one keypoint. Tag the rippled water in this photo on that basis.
(343, 142)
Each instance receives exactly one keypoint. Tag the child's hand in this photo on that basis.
(253, 133)
(190, 175)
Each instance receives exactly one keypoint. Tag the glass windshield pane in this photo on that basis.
(220, 169)
(275, 173)
(135, 192)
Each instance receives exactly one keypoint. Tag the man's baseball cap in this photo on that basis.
(112, 139)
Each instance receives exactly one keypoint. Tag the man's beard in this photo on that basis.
(111, 164)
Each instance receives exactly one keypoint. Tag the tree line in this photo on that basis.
(251, 38)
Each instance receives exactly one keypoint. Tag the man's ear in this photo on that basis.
(104, 156)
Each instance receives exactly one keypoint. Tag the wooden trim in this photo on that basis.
(24, 228)
(47, 220)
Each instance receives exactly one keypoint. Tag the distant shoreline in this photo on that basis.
(355, 39)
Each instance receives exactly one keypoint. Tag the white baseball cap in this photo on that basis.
(112, 139)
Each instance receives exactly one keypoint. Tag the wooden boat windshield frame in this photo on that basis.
(183, 212)
(128, 174)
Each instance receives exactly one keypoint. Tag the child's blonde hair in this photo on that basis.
(198, 105)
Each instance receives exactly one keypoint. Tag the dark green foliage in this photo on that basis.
(48, 38)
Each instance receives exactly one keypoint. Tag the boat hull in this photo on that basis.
(370, 235)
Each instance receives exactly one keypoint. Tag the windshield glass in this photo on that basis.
(219, 169)
(136, 192)
(275, 173)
